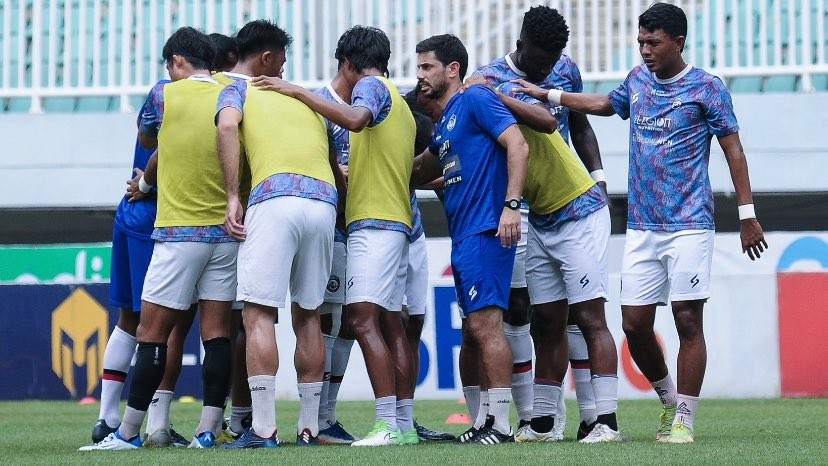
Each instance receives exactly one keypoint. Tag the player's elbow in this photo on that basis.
(227, 129)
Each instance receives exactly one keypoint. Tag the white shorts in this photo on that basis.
(569, 261)
(416, 278)
(289, 245)
(662, 265)
(519, 271)
(183, 272)
(376, 267)
(335, 290)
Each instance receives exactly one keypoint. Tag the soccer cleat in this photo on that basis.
(249, 439)
(226, 436)
(101, 430)
(306, 439)
(427, 435)
(410, 437)
(379, 436)
(203, 440)
(526, 435)
(488, 435)
(335, 434)
(560, 425)
(114, 441)
(668, 412)
(602, 433)
(177, 440)
(158, 439)
(584, 429)
(467, 435)
(680, 433)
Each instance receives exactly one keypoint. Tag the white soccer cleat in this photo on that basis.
(560, 421)
(113, 441)
(602, 433)
(527, 435)
(379, 436)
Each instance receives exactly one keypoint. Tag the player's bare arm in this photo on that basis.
(150, 178)
(229, 153)
(750, 231)
(536, 117)
(351, 118)
(517, 154)
(426, 169)
(586, 145)
(591, 104)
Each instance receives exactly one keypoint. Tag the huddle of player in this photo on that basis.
(267, 188)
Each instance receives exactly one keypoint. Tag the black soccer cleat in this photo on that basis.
(101, 430)
(466, 436)
(488, 435)
(427, 435)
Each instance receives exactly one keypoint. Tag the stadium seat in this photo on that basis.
(820, 82)
(783, 83)
(59, 104)
(746, 84)
(95, 104)
(18, 104)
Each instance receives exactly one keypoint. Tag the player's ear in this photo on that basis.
(454, 69)
(265, 57)
(680, 40)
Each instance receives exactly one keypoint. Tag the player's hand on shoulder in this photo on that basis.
(132, 192)
(475, 81)
(272, 83)
(530, 89)
(509, 228)
(753, 238)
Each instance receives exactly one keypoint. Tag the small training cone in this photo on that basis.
(88, 400)
(458, 418)
(461, 401)
(186, 399)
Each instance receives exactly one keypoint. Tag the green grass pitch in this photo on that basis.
(727, 432)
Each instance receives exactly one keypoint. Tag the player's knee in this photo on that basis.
(216, 371)
(688, 322)
(636, 329)
(519, 311)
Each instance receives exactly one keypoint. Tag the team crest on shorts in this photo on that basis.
(333, 284)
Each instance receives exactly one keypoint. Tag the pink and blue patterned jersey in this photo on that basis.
(339, 135)
(152, 113)
(565, 76)
(416, 220)
(671, 125)
(280, 184)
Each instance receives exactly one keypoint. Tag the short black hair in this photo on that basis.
(261, 36)
(447, 48)
(191, 44)
(365, 47)
(545, 28)
(227, 53)
(666, 17)
(425, 129)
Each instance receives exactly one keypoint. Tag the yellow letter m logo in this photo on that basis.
(80, 327)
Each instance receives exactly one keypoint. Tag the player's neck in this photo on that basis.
(450, 93)
(672, 71)
(243, 68)
(371, 72)
(341, 87)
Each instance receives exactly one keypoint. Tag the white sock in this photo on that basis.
(131, 424)
(606, 393)
(211, 417)
(581, 373)
(158, 414)
(666, 390)
(686, 410)
(499, 401)
(560, 412)
(339, 362)
(326, 382)
(263, 396)
(237, 413)
(472, 395)
(309, 395)
(387, 411)
(521, 344)
(482, 409)
(117, 357)
(405, 415)
(546, 399)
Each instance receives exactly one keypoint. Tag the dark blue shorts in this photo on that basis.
(482, 272)
(130, 261)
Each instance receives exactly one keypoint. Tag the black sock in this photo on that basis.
(608, 420)
(216, 371)
(150, 362)
(542, 424)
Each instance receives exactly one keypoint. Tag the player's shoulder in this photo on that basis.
(480, 93)
(494, 69)
(159, 86)
(704, 78)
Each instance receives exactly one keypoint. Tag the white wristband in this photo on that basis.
(746, 211)
(143, 186)
(598, 175)
(554, 96)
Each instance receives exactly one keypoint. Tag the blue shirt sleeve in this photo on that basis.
(372, 94)
(620, 99)
(233, 96)
(153, 114)
(721, 118)
(488, 111)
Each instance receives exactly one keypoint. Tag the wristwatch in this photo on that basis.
(513, 204)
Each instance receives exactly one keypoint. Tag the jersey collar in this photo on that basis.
(513, 66)
(238, 75)
(334, 94)
(675, 78)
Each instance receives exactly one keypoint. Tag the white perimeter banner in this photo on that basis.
(741, 324)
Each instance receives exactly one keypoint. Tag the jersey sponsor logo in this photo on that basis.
(333, 284)
(694, 280)
(80, 328)
(472, 293)
(452, 121)
(676, 103)
(445, 148)
(653, 123)
(635, 97)
(584, 281)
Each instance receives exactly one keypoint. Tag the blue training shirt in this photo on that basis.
(474, 164)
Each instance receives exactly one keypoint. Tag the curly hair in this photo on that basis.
(544, 27)
(666, 17)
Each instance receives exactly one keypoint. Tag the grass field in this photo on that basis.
(728, 431)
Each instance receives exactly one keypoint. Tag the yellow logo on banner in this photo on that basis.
(75, 324)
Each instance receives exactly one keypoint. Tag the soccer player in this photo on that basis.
(483, 158)
(193, 252)
(675, 110)
(227, 52)
(287, 231)
(538, 57)
(378, 217)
